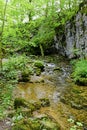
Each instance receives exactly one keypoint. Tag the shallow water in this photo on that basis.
(53, 83)
(51, 86)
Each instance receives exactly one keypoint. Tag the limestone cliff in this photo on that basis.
(73, 41)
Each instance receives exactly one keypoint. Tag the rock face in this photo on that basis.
(75, 36)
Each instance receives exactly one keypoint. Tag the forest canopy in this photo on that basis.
(30, 24)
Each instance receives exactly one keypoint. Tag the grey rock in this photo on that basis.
(75, 37)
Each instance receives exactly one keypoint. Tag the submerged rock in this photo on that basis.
(36, 79)
(76, 106)
(22, 103)
(57, 68)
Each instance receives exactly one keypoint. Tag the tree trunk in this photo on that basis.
(46, 10)
(1, 34)
(42, 51)
(30, 16)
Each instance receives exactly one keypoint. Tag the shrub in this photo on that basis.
(12, 67)
(80, 72)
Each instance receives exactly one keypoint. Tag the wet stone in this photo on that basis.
(76, 106)
(45, 102)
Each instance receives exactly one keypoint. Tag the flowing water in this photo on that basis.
(50, 84)
(53, 83)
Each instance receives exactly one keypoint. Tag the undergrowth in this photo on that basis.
(80, 72)
(5, 98)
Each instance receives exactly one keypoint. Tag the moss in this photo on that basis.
(76, 97)
(32, 106)
(76, 106)
(39, 64)
(45, 102)
(26, 112)
(19, 102)
(25, 75)
(11, 114)
(37, 105)
(50, 125)
(81, 81)
(21, 125)
(57, 68)
(36, 124)
(84, 10)
(38, 71)
(27, 124)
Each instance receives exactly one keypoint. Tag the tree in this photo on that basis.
(1, 33)
(32, 23)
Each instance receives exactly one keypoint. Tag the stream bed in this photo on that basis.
(68, 104)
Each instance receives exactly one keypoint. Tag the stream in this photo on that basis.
(50, 84)
(55, 84)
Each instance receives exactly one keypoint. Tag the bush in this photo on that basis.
(80, 72)
(13, 65)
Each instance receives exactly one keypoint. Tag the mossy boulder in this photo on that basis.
(45, 102)
(76, 106)
(38, 71)
(81, 81)
(22, 103)
(19, 102)
(27, 124)
(26, 112)
(37, 105)
(57, 69)
(36, 79)
(39, 64)
(21, 125)
(24, 75)
(36, 124)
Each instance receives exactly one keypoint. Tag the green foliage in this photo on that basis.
(30, 35)
(20, 68)
(30, 24)
(38, 67)
(13, 66)
(39, 64)
(15, 63)
(80, 72)
(75, 125)
(18, 102)
(5, 98)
